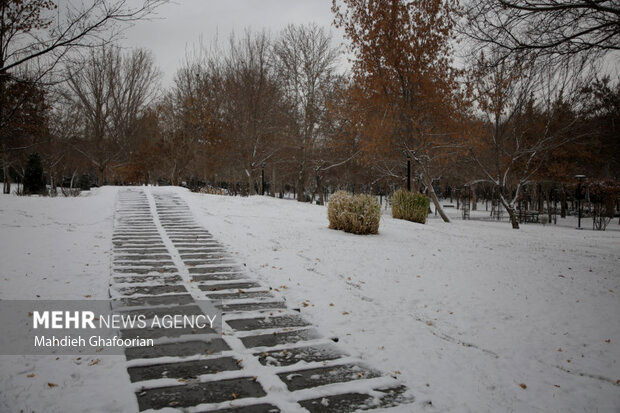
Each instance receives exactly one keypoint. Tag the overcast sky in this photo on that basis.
(179, 26)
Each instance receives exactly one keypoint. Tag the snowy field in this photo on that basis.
(472, 316)
(59, 249)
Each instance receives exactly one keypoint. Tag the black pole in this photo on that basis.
(579, 196)
(408, 173)
(262, 181)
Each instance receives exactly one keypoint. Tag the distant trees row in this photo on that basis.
(522, 106)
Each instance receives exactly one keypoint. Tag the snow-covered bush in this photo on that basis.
(358, 214)
(412, 206)
(208, 189)
(335, 207)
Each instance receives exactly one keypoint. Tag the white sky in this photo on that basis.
(179, 26)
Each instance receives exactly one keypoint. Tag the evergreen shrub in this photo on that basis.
(34, 181)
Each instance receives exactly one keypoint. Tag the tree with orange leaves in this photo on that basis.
(408, 95)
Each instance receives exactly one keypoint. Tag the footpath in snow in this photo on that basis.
(267, 359)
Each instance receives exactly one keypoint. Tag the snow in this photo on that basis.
(59, 249)
(462, 313)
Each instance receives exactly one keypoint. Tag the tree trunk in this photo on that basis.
(101, 178)
(548, 206)
(511, 212)
(72, 179)
(53, 191)
(319, 188)
(540, 199)
(272, 190)
(251, 190)
(300, 184)
(7, 179)
(474, 200)
(563, 203)
(435, 200)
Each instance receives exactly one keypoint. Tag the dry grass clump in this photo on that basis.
(412, 206)
(208, 189)
(357, 214)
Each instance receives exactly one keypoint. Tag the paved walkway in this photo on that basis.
(267, 359)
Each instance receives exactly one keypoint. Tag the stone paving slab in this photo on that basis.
(254, 408)
(229, 286)
(164, 332)
(161, 311)
(179, 299)
(274, 339)
(154, 290)
(351, 402)
(184, 370)
(153, 270)
(213, 269)
(256, 306)
(218, 276)
(179, 349)
(247, 324)
(163, 278)
(303, 379)
(197, 393)
(294, 355)
(240, 295)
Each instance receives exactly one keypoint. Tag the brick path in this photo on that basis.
(268, 359)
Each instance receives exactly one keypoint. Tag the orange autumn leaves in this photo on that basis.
(405, 93)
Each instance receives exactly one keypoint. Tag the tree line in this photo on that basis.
(495, 94)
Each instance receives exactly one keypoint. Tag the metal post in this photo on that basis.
(408, 172)
(579, 178)
(262, 179)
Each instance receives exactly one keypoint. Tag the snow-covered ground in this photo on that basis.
(463, 313)
(59, 249)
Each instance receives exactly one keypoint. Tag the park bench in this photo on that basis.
(529, 217)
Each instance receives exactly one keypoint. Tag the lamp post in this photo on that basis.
(579, 196)
(408, 172)
(433, 183)
(262, 179)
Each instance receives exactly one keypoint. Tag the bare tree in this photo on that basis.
(37, 35)
(253, 108)
(110, 90)
(41, 33)
(527, 113)
(555, 28)
(305, 63)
